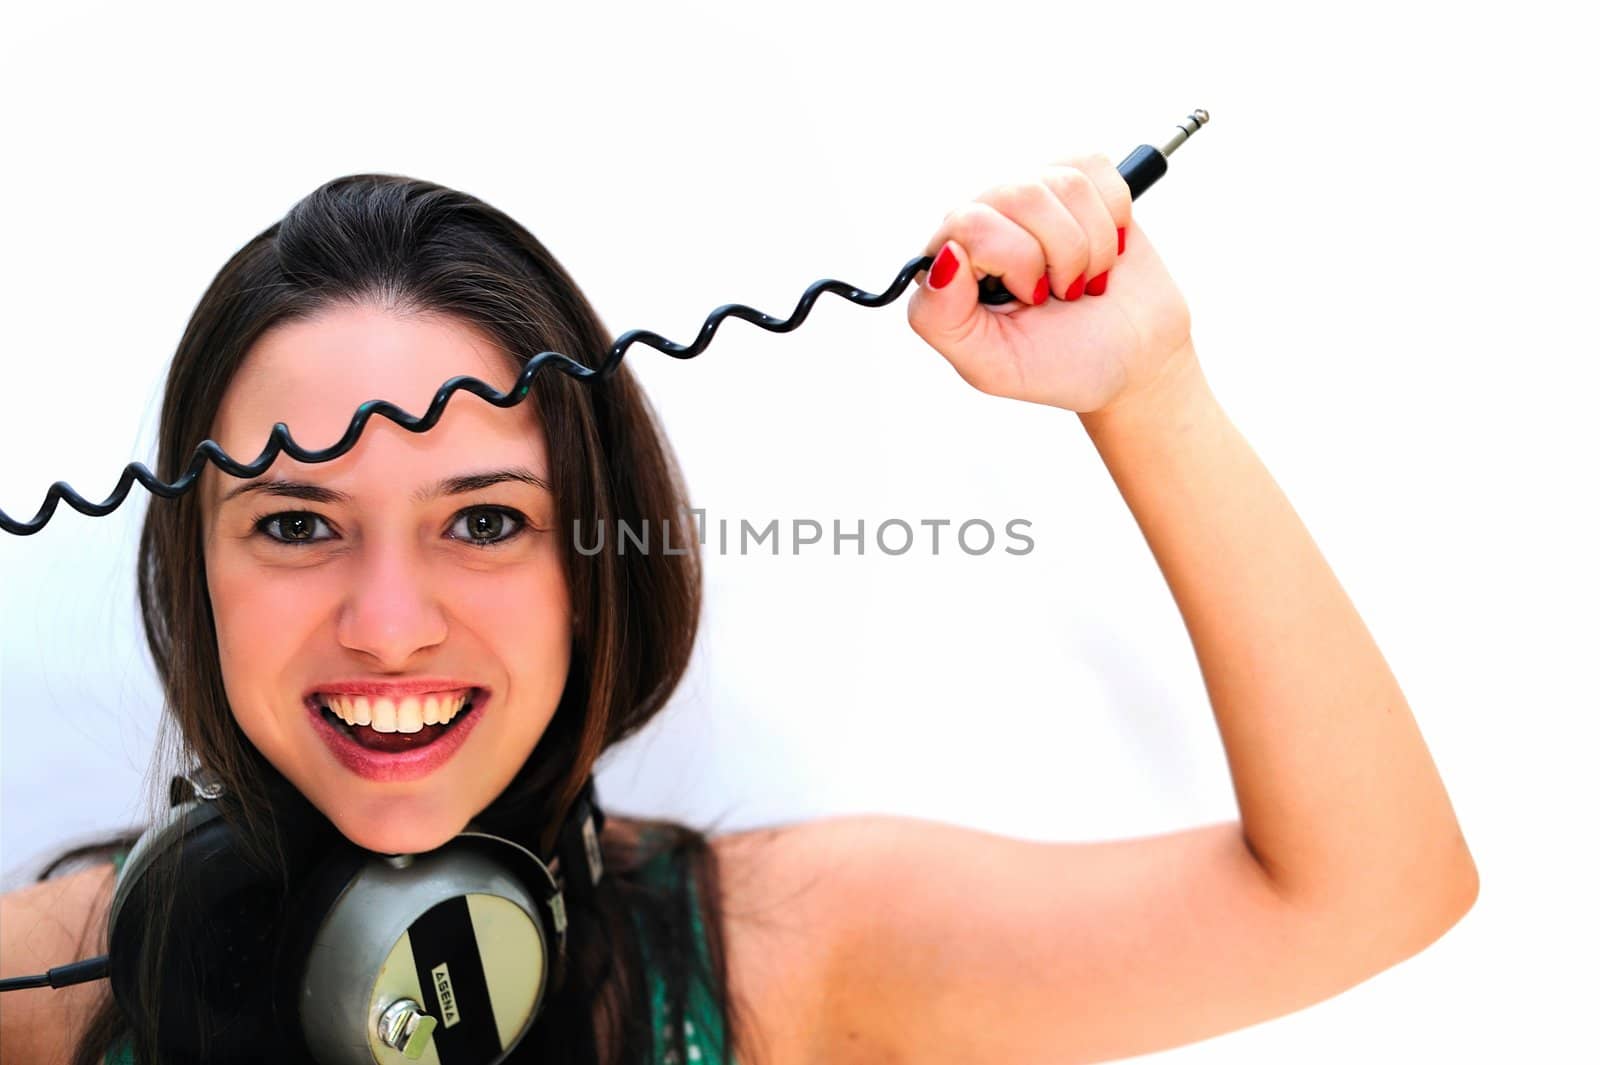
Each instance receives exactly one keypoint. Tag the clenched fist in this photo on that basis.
(1097, 318)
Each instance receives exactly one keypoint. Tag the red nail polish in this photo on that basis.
(1097, 284)
(1075, 289)
(1122, 239)
(1041, 290)
(944, 268)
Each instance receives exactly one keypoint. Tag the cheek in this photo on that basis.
(263, 619)
(523, 614)
(259, 611)
(530, 602)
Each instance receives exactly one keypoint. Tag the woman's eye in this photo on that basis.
(486, 526)
(292, 527)
(478, 526)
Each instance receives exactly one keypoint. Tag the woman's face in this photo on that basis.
(416, 573)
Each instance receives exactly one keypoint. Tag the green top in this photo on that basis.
(703, 1040)
(702, 1025)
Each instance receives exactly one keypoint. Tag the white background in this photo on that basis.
(1385, 236)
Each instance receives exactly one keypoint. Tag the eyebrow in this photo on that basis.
(450, 486)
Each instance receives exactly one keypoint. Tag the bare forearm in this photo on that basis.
(1339, 798)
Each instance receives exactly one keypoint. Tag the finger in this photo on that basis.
(1040, 210)
(1081, 195)
(951, 310)
(1112, 185)
(995, 245)
(951, 319)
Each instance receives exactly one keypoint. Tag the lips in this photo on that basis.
(395, 754)
(394, 689)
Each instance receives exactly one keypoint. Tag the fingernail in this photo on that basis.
(1122, 239)
(1097, 284)
(944, 268)
(1041, 290)
(1076, 288)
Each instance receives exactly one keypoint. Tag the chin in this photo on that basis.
(398, 833)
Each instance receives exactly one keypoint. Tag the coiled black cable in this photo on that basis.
(1141, 169)
(280, 439)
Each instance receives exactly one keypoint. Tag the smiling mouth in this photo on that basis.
(389, 725)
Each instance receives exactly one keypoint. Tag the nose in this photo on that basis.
(390, 612)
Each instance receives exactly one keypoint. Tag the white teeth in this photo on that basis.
(409, 714)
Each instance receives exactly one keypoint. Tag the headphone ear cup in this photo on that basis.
(466, 937)
(218, 919)
(316, 897)
(296, 962)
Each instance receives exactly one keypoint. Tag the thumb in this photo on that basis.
(945, 310)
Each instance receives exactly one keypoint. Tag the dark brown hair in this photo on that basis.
(413, 246)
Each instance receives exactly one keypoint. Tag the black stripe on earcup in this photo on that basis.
(454, 987)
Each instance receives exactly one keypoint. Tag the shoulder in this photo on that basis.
(786, 915)
(43, 925)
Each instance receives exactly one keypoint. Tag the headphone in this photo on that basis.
(343, 956)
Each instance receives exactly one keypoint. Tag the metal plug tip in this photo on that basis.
(1188, 127)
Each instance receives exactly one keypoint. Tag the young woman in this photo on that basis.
(320, 625)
